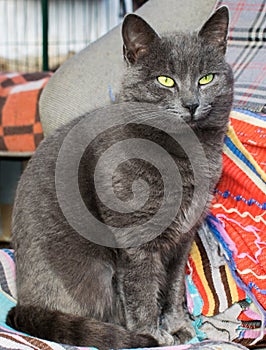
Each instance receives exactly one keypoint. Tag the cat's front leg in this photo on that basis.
(142, 278)
(174, 319)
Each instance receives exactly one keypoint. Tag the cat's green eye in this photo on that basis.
(206, 79)
(166, 81)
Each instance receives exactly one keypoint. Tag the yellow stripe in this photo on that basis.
(195, 255)
(232, 135)
(232, 284)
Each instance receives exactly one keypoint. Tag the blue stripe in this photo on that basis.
(6, 305)
(10, 252)
(228, 142)
(250, 114)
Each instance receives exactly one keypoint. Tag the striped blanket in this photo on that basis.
(239, 206)
(10, 339)
(227, 261)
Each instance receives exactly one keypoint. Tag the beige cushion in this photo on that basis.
(82, 83)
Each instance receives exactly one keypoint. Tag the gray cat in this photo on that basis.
(75, 291)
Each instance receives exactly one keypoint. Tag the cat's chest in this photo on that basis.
(143, 191)
(136, 171)
(157, 255)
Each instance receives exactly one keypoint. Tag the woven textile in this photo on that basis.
(20, 127)
(247, 51)
(10, 339)
(216, 287)
(241, 198)
(236, 231)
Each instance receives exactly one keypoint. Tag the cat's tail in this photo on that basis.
(74, 330)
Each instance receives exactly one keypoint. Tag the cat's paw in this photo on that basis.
(183, 335)
(182, 329)
(163, 337)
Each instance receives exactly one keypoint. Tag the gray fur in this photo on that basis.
(138, 290)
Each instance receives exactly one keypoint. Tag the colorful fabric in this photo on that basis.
(247, 51)
(213, 280)
(20, 126)
(10, 339)
(240, 203)
(227, 261)
(226, 279)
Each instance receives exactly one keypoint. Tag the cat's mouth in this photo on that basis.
(197, 118)
(190, 120)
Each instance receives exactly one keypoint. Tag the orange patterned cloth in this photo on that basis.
(241, 202)
(20, 126)
(225, 269)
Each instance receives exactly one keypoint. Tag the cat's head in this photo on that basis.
(182, 72)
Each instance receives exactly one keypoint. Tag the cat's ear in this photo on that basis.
(137, 37)
(215, 30)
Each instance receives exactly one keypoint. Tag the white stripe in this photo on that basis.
(245, 90)
(249, 271)
(8, 296)
(257, 218)
(13, 344)
(12, 75)
(9, 273)
(29, 86)
(251, 99)
(255, 179)
(248, 119)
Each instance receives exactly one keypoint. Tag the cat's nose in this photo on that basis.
(192, 107)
